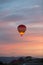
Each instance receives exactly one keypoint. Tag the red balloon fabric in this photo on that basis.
(21, 29)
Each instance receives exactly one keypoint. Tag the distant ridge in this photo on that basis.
(7, 59)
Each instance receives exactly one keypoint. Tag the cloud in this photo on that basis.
(9, 33)
(12, 36)
(13, 18)
(5, 1)
(6, 16)
(13, 13)
(34, 6)
(24, 16)
(21, 49)
(35, 25)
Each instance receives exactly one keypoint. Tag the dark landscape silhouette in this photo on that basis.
(21, 61)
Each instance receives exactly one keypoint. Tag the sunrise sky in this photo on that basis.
(29, 13)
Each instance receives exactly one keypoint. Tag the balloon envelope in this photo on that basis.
(21, 29)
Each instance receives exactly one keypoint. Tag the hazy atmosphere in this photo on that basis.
(29, 13)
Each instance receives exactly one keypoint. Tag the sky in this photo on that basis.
(14, 13)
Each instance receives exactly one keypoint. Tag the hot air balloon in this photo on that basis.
(21, 29)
